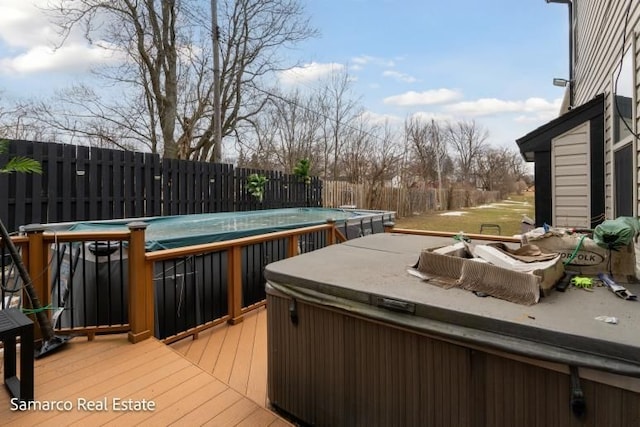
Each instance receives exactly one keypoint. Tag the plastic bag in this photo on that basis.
(616, 233)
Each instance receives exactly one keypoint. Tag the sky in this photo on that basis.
(491, 61)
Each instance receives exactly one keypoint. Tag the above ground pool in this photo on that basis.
(90, 281)
(186, 230)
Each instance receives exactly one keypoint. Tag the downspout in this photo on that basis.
(571, 77)
(569, 3)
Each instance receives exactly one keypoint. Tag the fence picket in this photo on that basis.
(80, 183)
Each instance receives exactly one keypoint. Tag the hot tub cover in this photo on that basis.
(368, 276)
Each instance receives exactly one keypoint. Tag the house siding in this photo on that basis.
(570, 158)
(598, 37)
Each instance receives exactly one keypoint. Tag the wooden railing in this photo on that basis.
(233, 249)
(8, 278)
(391, 229)
(43, 255)
(38, 249)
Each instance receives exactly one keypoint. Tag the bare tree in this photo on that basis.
(167, 72)
(295, 126)
(79, 112)
(338, 107)
(11, 122)
(517, 166)
(427, 142)
(429, 146)
(467, 140)
(499, 169)
(357, 148)
(17, 122)
(382, 162)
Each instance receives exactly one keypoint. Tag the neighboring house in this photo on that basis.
(586, 160)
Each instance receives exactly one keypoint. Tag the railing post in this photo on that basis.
(331, 238)
(141, 298)
(38, 268)
(234, 285)
(292, 246)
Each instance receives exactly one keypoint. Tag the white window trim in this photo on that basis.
(630, 139)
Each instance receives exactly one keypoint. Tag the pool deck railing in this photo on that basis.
(141, 271)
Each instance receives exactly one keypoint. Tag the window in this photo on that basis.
(623, 170)
(623, 141)
(623, 99)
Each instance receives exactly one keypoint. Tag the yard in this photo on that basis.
(507, 214)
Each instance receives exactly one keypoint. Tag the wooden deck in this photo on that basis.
(235, 355)
(184, 393)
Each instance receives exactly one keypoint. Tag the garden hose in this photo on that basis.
(575, 251)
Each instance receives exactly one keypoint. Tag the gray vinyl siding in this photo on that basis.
(598, 49)
(570, 162)
(598, 40)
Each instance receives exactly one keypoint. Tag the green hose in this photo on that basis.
(575, 251)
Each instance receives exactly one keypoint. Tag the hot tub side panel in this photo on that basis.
(332, 368)
(336, 370)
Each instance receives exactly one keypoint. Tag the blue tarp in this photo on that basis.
(186, 230)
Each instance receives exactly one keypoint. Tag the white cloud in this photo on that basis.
(428, 97)
(428, 116)
(23, 24)
(538, 117)
(361, 60)
(492, 106)
(70, 57)
(381, 119)
(401, 77)
(308, 72)
(30, 39)
(375, 60)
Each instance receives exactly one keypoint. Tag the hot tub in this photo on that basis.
(355, 340)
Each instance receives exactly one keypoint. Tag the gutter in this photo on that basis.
(569, 3)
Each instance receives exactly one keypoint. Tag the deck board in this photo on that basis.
(257, 418)
(213, 407)
(110, 367)
(196, 348)
(182, 407)
(182, 346)
(234, 354)
(233, 414)
(239, 375)
(257, 383)
(224, 363)
(165, 383)
(215, 338)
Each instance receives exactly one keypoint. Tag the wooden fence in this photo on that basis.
(404, 201)
(88, 183)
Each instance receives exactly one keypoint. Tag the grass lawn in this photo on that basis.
(507, 214)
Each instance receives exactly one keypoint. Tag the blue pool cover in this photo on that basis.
(186, 230)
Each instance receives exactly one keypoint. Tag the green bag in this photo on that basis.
(616, 233)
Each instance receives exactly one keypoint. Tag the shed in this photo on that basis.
(569, 167)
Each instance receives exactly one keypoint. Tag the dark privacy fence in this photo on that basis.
(87, 183)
